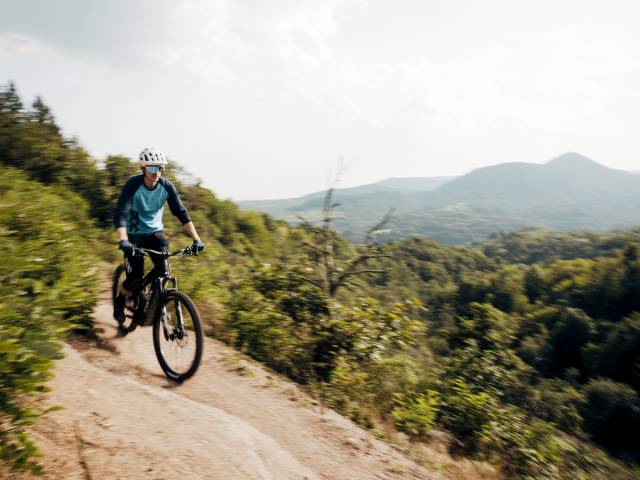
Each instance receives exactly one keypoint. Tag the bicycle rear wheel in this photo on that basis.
(119, 276)
(178, 338)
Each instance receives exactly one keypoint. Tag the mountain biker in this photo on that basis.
(138, 220)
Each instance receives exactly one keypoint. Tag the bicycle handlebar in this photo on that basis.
(147, 251)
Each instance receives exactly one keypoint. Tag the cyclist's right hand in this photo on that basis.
(197, 246)
(127, 247)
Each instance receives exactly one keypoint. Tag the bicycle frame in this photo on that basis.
(182, 329)
(157, 278)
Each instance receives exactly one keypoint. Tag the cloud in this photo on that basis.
(22, 44)
(294, 81)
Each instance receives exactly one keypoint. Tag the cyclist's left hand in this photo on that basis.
(127, 247)
(197, 246)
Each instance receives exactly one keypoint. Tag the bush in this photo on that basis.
(465, 413)
(583, 461)
(526, 449)
(499, 373)
(349, 392)
(46, 289)
(559, 402)
(416, 416)
(268, 335)
(397, 374)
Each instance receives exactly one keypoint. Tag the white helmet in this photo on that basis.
(151, 156)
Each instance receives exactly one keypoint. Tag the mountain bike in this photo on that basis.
(177, 329)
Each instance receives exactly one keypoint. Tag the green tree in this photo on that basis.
(565, 347)
(534, 283)
(612, 415)
(618, 356)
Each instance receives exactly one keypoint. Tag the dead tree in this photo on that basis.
(332, 277)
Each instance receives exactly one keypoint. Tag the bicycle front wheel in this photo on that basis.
(178, 337)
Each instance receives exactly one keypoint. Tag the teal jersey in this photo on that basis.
(140, 208)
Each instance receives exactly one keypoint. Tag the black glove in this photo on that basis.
(127, 247)
(197, 246)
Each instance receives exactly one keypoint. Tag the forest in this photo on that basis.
(523, 348)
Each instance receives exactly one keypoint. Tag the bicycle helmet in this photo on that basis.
(151, 156)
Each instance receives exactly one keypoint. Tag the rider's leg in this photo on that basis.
(154, 241)
(157, 241)
(134, 273)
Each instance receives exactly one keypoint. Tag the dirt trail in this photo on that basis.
(234, 420)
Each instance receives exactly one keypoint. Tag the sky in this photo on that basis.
(263, 99)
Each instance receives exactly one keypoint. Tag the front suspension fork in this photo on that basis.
(179, 327)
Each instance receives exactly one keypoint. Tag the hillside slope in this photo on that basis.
(233, 420)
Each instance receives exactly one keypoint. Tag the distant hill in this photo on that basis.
(413, 184)
(362, 200)
(568, 192)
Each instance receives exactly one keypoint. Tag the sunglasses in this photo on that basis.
(154, 169)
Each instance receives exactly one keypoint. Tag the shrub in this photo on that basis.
(559, 402)
(499, 373)
(46, 289)
(349, 392)
(526, 449)
(389, 376)
(465, 413)
(416, 416)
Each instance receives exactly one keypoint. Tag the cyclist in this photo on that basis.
(138, 219)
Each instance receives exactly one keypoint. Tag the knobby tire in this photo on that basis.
(158, 335)
(119, 272)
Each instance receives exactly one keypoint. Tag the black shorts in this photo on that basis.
(153, 241)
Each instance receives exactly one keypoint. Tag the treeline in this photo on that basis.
(524, 348)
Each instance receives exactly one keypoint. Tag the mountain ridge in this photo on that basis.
(399, 184)
(567, 192)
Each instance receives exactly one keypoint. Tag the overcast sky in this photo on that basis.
(260, 98)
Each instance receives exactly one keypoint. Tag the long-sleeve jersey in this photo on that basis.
(140, 208)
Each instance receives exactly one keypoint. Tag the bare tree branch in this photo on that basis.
(354, 262)
(317, 248)
(313, 282)
(332, 278)
(306, 223)
(377, 227)
(326, 207)
(360, 272)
